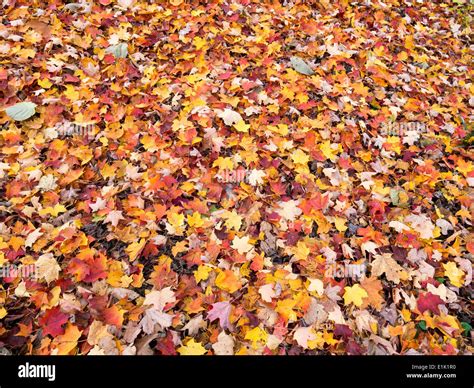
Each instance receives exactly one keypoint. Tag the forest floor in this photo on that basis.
(236, 177)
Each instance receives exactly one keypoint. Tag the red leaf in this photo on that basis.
(430, 302)
(52, 322)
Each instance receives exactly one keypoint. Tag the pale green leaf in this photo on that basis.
(301, 66)
(118, 51)
(21, 111)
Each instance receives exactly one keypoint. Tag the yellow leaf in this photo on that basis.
(199, 42)
(328, 151)
(302, 251)
(45, 83)
(16, 242)
(223, 163)
(340, 224)
(300, 157)
(135, 248)
(115, 273)
(285, 309)
(195, 220)
(3, 312)
(54, 211)
(179, 247)
(354, 295)
(202, 273)
(409, 42)
(288, 93)
(406, 315)
(192, 348)
(281, 129)
(454, 274)
(71, 93)
(176, 220)
(360, 89)
(257, 335)
(318, 342)
(240, 126)
(464, 167)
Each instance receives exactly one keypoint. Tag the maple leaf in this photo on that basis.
(47, 267)
(385, 264)
(241, 126)
(176, 220)
(113, 316)
(354, 295)
(241, 244)
(373, 286)
(454, 274)
(289, 209)
(151, 317)
(255, 177)
(300, 157)
(422, 224)
(32, 237)
(53, 321)
(258, 336)
(316, 285)
(224, 345)
(223, 163)
(135, 248)
(286, 309)
(97, 331)
(160, 299)
(221, 311)
(304, 334)
(125, 3)
(430, 302)
(328, 150)
(215, 152)
(195, 220)
(21, 291)
(202, 273)
(233, 220)
(47, 183)
(192, 348)
(267, 292)
(228, 281)
(343, 331)
(229, 116)
(398, 226)
(99, 204)
(113, 217)
(66, 342)
(52, 210)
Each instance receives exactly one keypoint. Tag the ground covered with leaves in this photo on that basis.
(235, 177)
